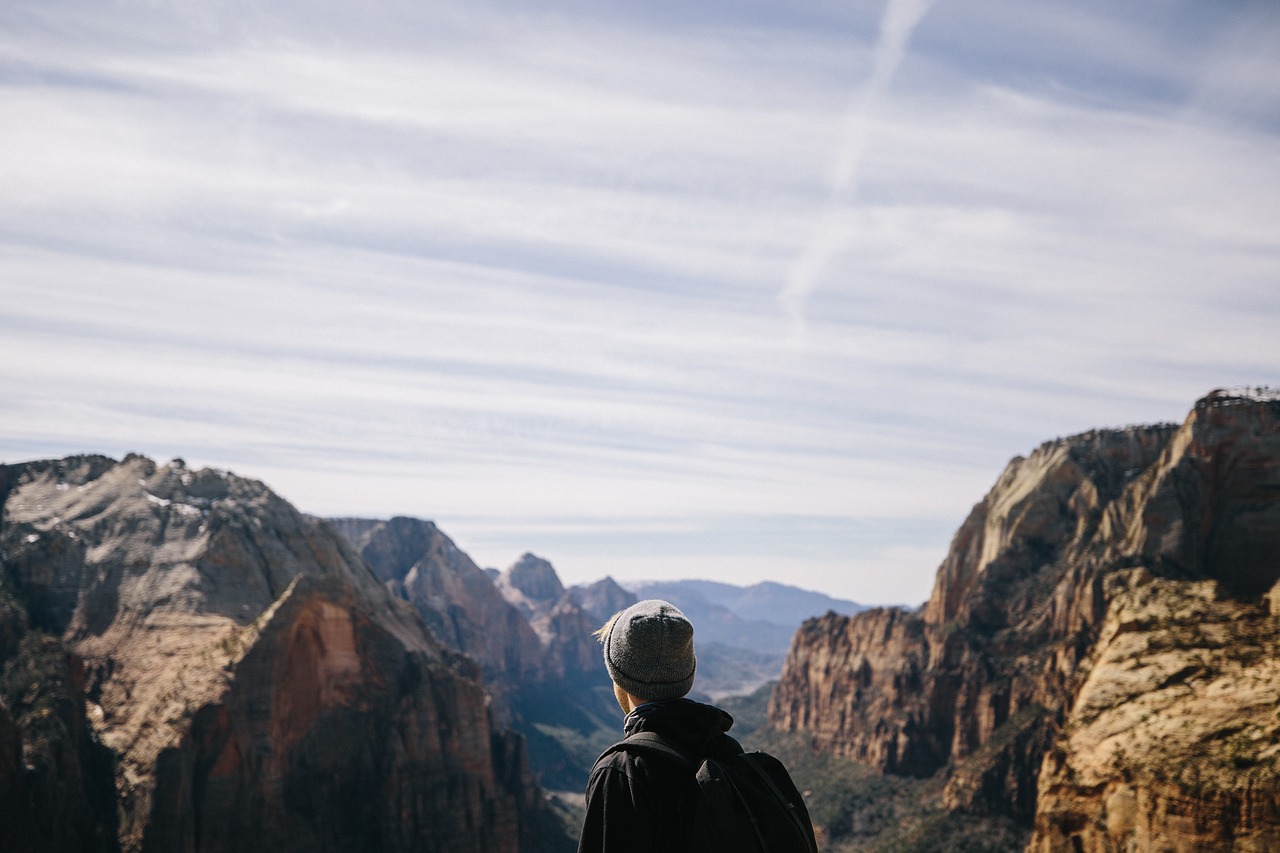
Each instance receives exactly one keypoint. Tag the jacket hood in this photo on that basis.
(686, 724)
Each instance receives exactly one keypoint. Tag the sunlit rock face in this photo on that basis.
(1098, 656)
(1173, 740)
(249, 680)
(457, 600)
(562, 625)
(522, 626)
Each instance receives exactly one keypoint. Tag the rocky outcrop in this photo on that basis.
(248, 677)
(56, 784)
(988, 647)
(601, 599)
(530, 636)
(532, 586)
(841, 671)
(1028, 653)
(521, 625)
(1173, 740)
(456, 599)
(327, 738)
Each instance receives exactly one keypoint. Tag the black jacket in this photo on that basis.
(637, 804)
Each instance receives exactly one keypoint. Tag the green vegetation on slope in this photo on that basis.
(857, 808)
(854, 807)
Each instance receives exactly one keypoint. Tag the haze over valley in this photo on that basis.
(358, 360)
(188, 662)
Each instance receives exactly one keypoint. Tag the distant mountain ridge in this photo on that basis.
(739, 616)
(741, 633)
(767, 601)
(189, 663)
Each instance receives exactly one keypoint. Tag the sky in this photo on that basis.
(726, 290)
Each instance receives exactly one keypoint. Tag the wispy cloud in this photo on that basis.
(833, 232)
(518, 270)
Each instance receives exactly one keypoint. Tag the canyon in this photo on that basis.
(1099, 659)
(189, 663)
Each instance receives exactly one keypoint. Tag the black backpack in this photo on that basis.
(747, 801)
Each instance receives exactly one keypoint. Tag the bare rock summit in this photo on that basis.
(1098, 659)
(225, 673)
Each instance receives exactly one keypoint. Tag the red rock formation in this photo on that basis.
(530, 637)
(989, 678)
(326, 737)
(256, 683)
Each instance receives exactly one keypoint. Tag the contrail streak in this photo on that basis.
(831, 233)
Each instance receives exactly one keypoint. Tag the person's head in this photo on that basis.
(648, 651)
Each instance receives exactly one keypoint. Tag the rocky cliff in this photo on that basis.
(530, 636)
(1098, 656)
(189, 663)
(533, 587)
(456, 599)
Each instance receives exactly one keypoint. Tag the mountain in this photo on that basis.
(1100, 656)
(740, 617)
(603, 598)
(742, 633)
(770, 602)
(530, 637)
(533, 587)
(190, 663)
(187, 662)
(455, 598)
(520, 625)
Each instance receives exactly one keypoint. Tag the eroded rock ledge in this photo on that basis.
(1098, 658)
(191, 664)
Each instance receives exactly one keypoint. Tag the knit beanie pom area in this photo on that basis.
(649, 651)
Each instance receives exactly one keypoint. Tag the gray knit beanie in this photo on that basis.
(649, 651)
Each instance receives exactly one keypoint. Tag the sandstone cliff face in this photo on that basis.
(253, 682)
(1173, 740)
(531, 638)
(523, 627)
(455, 597)
(533, 587)
(334, 736)
(1014, 661)
(913, 691)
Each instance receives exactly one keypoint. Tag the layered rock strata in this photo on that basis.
(1173, 739)
(1108, 572)
(457, 600)
(530, 636)
(250, 680)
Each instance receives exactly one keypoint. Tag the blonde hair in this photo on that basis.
(602, 633)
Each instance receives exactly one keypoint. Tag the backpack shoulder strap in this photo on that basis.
(652, 743)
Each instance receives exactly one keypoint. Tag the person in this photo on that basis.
(637, 803)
